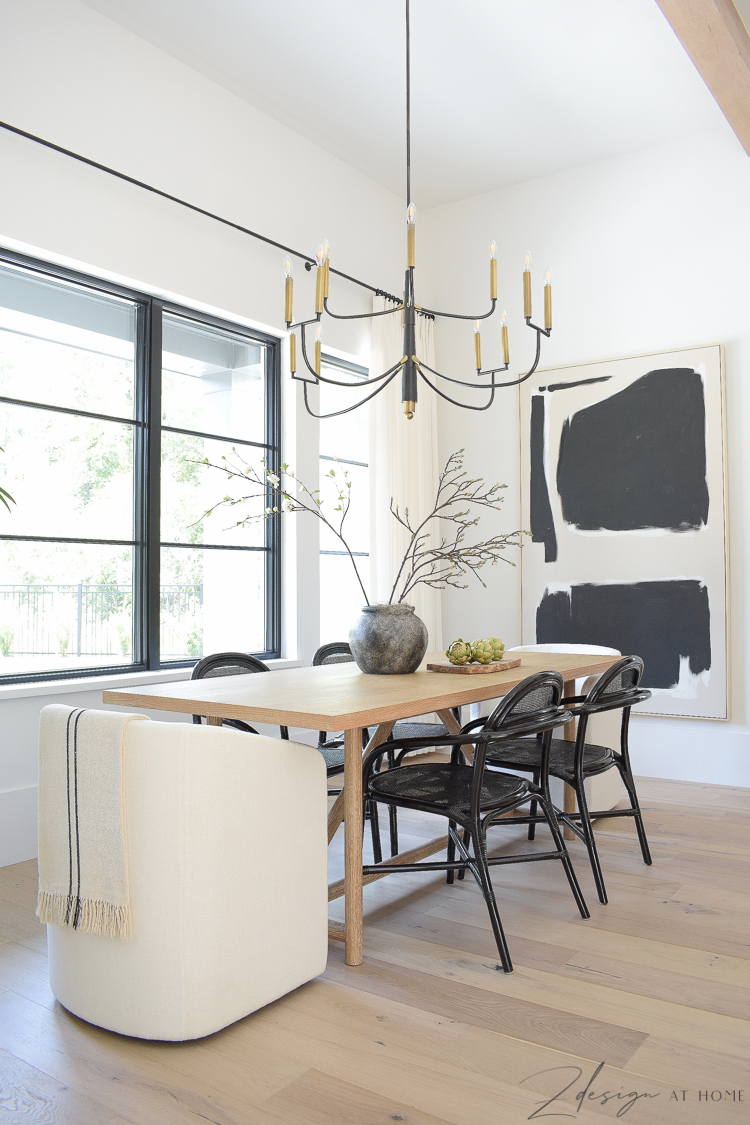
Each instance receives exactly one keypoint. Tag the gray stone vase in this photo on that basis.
(388, 640)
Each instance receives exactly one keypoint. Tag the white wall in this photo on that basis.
(77, 79)
(650, 251)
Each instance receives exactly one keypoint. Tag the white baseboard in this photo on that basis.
(18, 819)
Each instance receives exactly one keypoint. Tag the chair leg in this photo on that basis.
(588, 835)
(450, 851)
(532, 808)
(627, 778)
(377, 851)
(557, 836)
(392, 812)
(462, 872)
(480, 858)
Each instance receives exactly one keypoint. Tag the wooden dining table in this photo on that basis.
(338, 697)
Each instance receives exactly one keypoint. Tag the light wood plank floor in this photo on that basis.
(656, 987)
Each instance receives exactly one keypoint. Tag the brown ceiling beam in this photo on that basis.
(717, 41)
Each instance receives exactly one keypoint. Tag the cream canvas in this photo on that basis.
(623, 492)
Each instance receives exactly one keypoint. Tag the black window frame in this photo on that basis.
(147, 424)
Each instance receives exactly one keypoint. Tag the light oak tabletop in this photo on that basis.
(339, 696)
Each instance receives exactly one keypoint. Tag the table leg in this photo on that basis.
(336, 815)
(353, 827)
(348, 807)
(569, 794)
(448, 719)
(213, 721)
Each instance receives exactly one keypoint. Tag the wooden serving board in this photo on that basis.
(474, 669)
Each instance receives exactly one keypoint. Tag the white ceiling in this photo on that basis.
(503, 91)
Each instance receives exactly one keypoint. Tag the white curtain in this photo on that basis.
(404, 465)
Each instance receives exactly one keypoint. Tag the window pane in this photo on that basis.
(189, 488)
(211, 601)
(212, 381)
(64, 608)
(70, 476)
(64, 345)
(348, 435)
(341, 598)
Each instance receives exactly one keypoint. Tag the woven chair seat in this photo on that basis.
(333, 753)
(525, 753)
(406, 729)
(447, 787)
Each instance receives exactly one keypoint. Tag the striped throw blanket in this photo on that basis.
(83, 878)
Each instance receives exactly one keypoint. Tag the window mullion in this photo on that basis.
(152, 601)
(273, 525)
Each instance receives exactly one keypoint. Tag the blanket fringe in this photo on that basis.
(90, 915)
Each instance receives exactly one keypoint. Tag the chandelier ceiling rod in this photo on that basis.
(408, 109)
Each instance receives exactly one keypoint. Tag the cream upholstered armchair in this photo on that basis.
(226, 854)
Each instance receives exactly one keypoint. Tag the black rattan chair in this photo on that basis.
(332, 749)
(231, 664)
(573, 762)
(472, 797)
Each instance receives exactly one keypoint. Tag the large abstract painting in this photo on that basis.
(623, 493)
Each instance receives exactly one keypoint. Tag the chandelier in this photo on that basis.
(412, 369)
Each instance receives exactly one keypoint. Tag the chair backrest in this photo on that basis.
(337, 652)
(227, 664)
(536, 700)
(531, 707)
(618, 686)
(573, 650)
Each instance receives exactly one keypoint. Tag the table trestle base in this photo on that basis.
(375, 871)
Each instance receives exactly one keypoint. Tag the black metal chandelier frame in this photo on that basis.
(411, 367)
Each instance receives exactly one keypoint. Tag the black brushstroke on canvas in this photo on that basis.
(638, 459)
(578, 383)
(658, 621)
(540, 509)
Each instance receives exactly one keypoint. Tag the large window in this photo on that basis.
(109, 403)
(344, 443)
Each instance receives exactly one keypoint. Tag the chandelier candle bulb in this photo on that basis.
(318, 340)
(322, 257)
(288, 292)
(326, 261)
(527, 286)
(504, 337)
(493, 270)
(319, 284)
(548, 299)
(292, 353)
(477, 346)
(411, 218)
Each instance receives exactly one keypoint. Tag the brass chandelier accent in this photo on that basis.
(412, 369)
